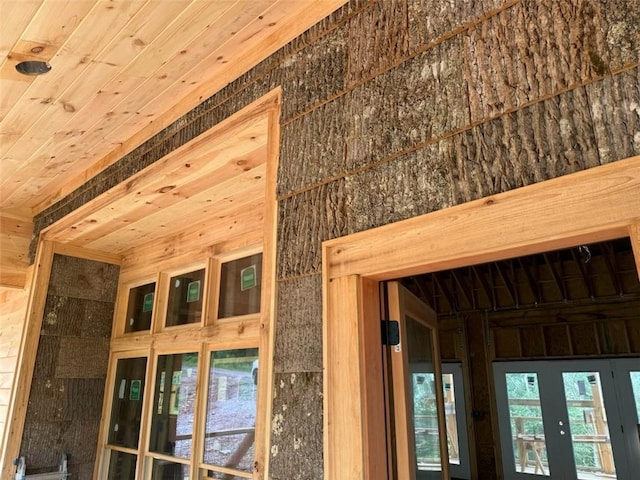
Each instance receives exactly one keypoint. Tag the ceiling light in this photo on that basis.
(33, 67)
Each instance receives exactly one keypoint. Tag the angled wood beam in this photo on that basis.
(485, 286)
(531, 281)
(609, 258)
(463, 289)
(556, 277)
(586, 279)
(634, 235)
(504, 276)
(445, 291)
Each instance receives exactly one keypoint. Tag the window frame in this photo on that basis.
(204, 337)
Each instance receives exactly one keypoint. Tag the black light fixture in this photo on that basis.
(33, 67)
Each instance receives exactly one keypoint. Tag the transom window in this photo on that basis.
(184, 373)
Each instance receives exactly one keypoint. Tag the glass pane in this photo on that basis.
(140, 308)
(126, 409)
(174, 404)
(240, 286)
(527, 426)
(231, 409)
(122, 466)
(165, 470)
(185, 298)
(425, 413)
(588, 424)
(450, 418)
(635, 385)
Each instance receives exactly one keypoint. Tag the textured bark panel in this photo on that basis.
(313, 147)
(47, 357)
(296, 427)
(408, 186)
(47, 400)
(429, 19)
(622, 34)
(378, 38)
(51, 439)
(422, 99)
(304, 222)
(298, 342)
(546, 140)
(67, 316)
(80, 278)
(82, 358)
(65, 401)
(314, 73)
(615, 108)
(533, 50)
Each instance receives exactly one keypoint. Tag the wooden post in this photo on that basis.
(27, 357)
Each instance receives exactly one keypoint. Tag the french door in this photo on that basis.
(419, 433)
(569, 420)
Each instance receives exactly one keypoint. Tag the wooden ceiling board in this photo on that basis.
(221, 235)
(47, 31)
(217, 205)
(109, 105)
(158, 205)
(55, 103)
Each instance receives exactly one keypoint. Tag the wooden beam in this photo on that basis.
(593, 205)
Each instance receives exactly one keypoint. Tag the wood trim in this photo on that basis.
(598, 204)
(27, 357)
(269, 292)
(374, 426)
(593, 205)
(86, 253)
(343, 420)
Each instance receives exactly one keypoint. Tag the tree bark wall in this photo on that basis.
(67, 390)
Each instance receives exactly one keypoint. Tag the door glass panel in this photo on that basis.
(174, 405)
(186, 294)
(126, 409)
(527, 427)
(122, 466)
(423, 395)
(589, 425)
(231, 409)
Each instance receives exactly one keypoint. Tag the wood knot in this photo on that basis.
(489, 201)
(166, 189)
(37, 49)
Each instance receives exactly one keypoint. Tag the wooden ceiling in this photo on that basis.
(121, 70)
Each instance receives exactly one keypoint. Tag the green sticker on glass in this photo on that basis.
(136, 386)
(147, 302)
(193, 292)
(248, 278)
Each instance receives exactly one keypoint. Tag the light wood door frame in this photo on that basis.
(403, 304)
(597, 204)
